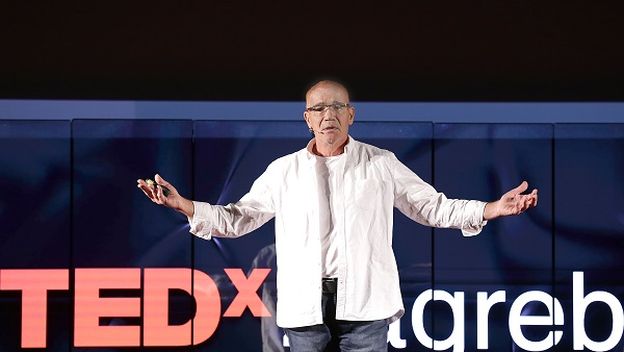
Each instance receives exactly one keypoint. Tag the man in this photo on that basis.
(337, 279)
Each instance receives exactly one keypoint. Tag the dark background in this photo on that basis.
(267, 50)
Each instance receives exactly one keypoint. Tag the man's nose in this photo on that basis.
(329, 112)
(329, 118)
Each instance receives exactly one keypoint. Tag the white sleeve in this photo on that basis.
(420, 202)
(253, 210)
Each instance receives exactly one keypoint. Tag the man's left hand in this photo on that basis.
(511, 203)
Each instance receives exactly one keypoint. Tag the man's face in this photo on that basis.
(327, 113)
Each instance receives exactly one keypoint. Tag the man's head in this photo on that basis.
(328, 112)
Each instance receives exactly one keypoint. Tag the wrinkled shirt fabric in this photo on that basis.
(373, 182)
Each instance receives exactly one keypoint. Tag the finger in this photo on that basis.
(161, 180)
(535, 202)
(520, 208)
(147, 190)
(168, 188)
(148, 195)
(521, 188)
(533, 194)
(527, 203)
(141, 183)
(144, 185)
(161, 192)
(161, 195)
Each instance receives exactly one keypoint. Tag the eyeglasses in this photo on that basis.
(320, 108)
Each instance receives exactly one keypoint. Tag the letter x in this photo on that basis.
(247, 295)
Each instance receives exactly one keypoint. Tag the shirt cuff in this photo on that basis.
(200, 224)
(474, 221)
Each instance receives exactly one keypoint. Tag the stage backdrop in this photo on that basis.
(88, 263)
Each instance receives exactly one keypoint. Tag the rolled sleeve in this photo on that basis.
(473, 222)
(201, 221)
(419, 201)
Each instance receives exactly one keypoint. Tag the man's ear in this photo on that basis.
(305, 118)
(351, 115)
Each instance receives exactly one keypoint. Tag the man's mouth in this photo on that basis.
(329, 129)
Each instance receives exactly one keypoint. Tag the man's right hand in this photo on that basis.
(174, 200)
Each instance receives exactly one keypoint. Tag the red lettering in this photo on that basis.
(247, 295)
(156, 330)
(208, 311)
(34, 285)
(89, 307)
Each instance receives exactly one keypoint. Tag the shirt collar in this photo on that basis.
(347, 148)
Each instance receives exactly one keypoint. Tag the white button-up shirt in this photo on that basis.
(373, 182)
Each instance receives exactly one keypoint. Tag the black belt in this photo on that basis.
(330, 285)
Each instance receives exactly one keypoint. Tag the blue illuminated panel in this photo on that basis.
(483, 161)
(115, 225)
(589, 218)
(35, 219)
(103, 220)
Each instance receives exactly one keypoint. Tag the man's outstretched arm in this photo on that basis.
(423, 204)
(206, 220)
